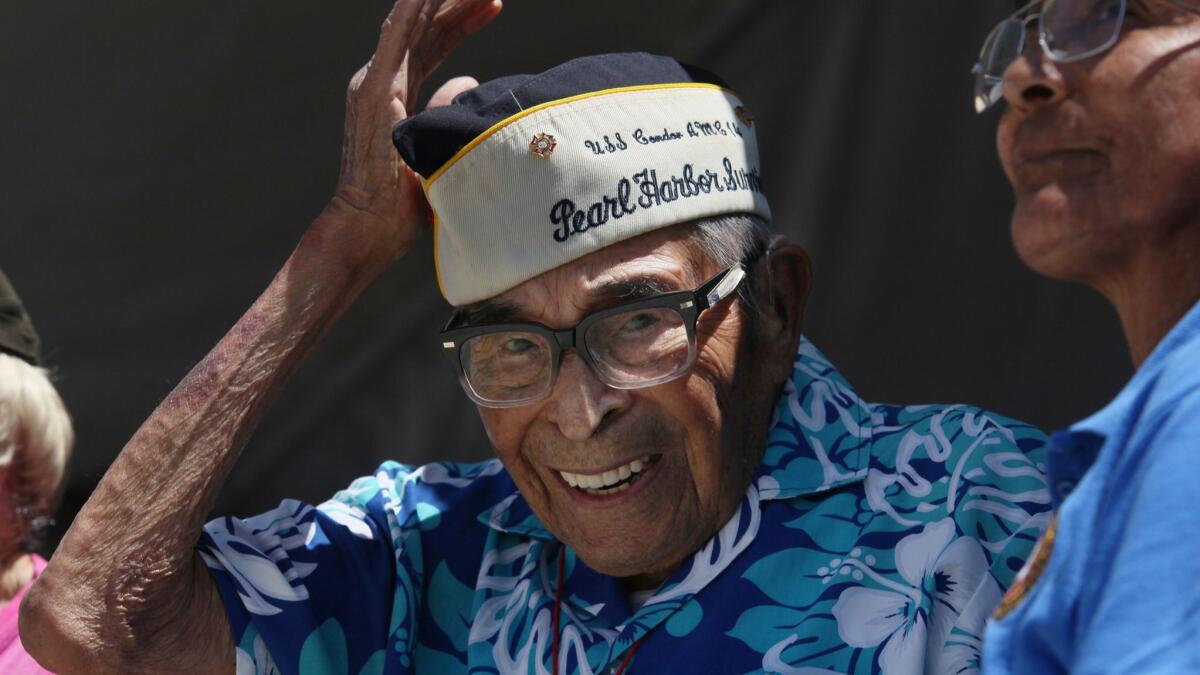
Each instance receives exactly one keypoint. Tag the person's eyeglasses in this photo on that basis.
(637, 344)
(1067, 30)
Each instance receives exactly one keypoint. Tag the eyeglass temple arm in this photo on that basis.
(719, 287)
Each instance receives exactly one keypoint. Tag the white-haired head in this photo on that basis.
(35, 443)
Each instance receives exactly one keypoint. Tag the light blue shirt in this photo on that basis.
(873, 538)
(1120, 592)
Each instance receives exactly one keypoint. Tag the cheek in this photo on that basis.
(708, 394)
(1004, 140)
(1161, 174)
(506, 428)
(1143, 102)
(718, 364)
(717, 343)
(1151, 103)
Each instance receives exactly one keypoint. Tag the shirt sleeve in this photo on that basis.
(308, 589)
(1142, 613)
(1003, 504)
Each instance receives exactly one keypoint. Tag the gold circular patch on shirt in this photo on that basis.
(1030, 573)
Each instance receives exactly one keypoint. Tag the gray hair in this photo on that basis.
(733, 238)
(35, 442)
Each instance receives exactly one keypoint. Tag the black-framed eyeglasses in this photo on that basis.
(1067, 30)
(637, 344)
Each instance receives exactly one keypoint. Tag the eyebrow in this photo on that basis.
(486, 312)
(495, 311)
(630, 289)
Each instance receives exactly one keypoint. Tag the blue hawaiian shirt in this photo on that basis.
(873, 538)
(1117, 589)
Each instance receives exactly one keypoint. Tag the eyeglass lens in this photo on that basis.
(507, 366)
(1074, 29)
(1070, 30)
(1001, 48)
(638, 348)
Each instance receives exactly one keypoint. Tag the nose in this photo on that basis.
(1033, 81)
(580, 404)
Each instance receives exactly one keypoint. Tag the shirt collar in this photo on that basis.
(1108, 419)
(819, 439)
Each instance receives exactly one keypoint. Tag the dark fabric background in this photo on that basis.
(160, 160)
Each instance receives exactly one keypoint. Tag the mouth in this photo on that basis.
(1038, 156)
(1037, 167)
(612, 481)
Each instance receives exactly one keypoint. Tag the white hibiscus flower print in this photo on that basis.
(942, 572)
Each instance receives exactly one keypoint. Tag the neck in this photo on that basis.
(644, 582)
(1153, 291)
(16, 573)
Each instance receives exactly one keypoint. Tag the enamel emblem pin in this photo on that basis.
(542, 145)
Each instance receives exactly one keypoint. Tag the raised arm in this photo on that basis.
(125, 592)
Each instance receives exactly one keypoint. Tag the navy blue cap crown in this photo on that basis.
(429, 139)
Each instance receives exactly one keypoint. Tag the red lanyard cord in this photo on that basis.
(562, 572)
(628, 657)
(558, 600)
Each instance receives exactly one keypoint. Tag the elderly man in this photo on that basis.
(1100, 138)
(35, 442)
(683, 483)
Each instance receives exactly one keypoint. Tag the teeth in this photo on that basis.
(602, 483)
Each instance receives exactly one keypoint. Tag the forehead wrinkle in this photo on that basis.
(658, 273)
(628, 269)
(658, 266)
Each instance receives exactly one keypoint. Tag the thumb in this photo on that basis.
(450, 89)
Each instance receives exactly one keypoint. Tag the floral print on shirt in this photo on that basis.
(873, 539)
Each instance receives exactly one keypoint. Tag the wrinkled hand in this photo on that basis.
(375, 188)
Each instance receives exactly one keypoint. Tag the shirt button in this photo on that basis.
(1064, 488)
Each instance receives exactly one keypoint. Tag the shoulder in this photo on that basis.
(1150, 429)
(944, 436)
(984, 471)
(421, 496)
(1158, 457)
(1176, 383)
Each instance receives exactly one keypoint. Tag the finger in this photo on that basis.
(406, 19)
(452, 29)
(465, 19)
(457, 11)
(444, 29)
(409, 21)
(453, 87)
(357, 79)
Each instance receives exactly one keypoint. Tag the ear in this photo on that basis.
(782, 292)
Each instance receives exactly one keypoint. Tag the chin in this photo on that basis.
(629, 556)
(1053, 239)
(617, 566)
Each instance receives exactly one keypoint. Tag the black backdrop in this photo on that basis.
(160, 160)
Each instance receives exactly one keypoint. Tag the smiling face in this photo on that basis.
(685, 450)
(1104, 154)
